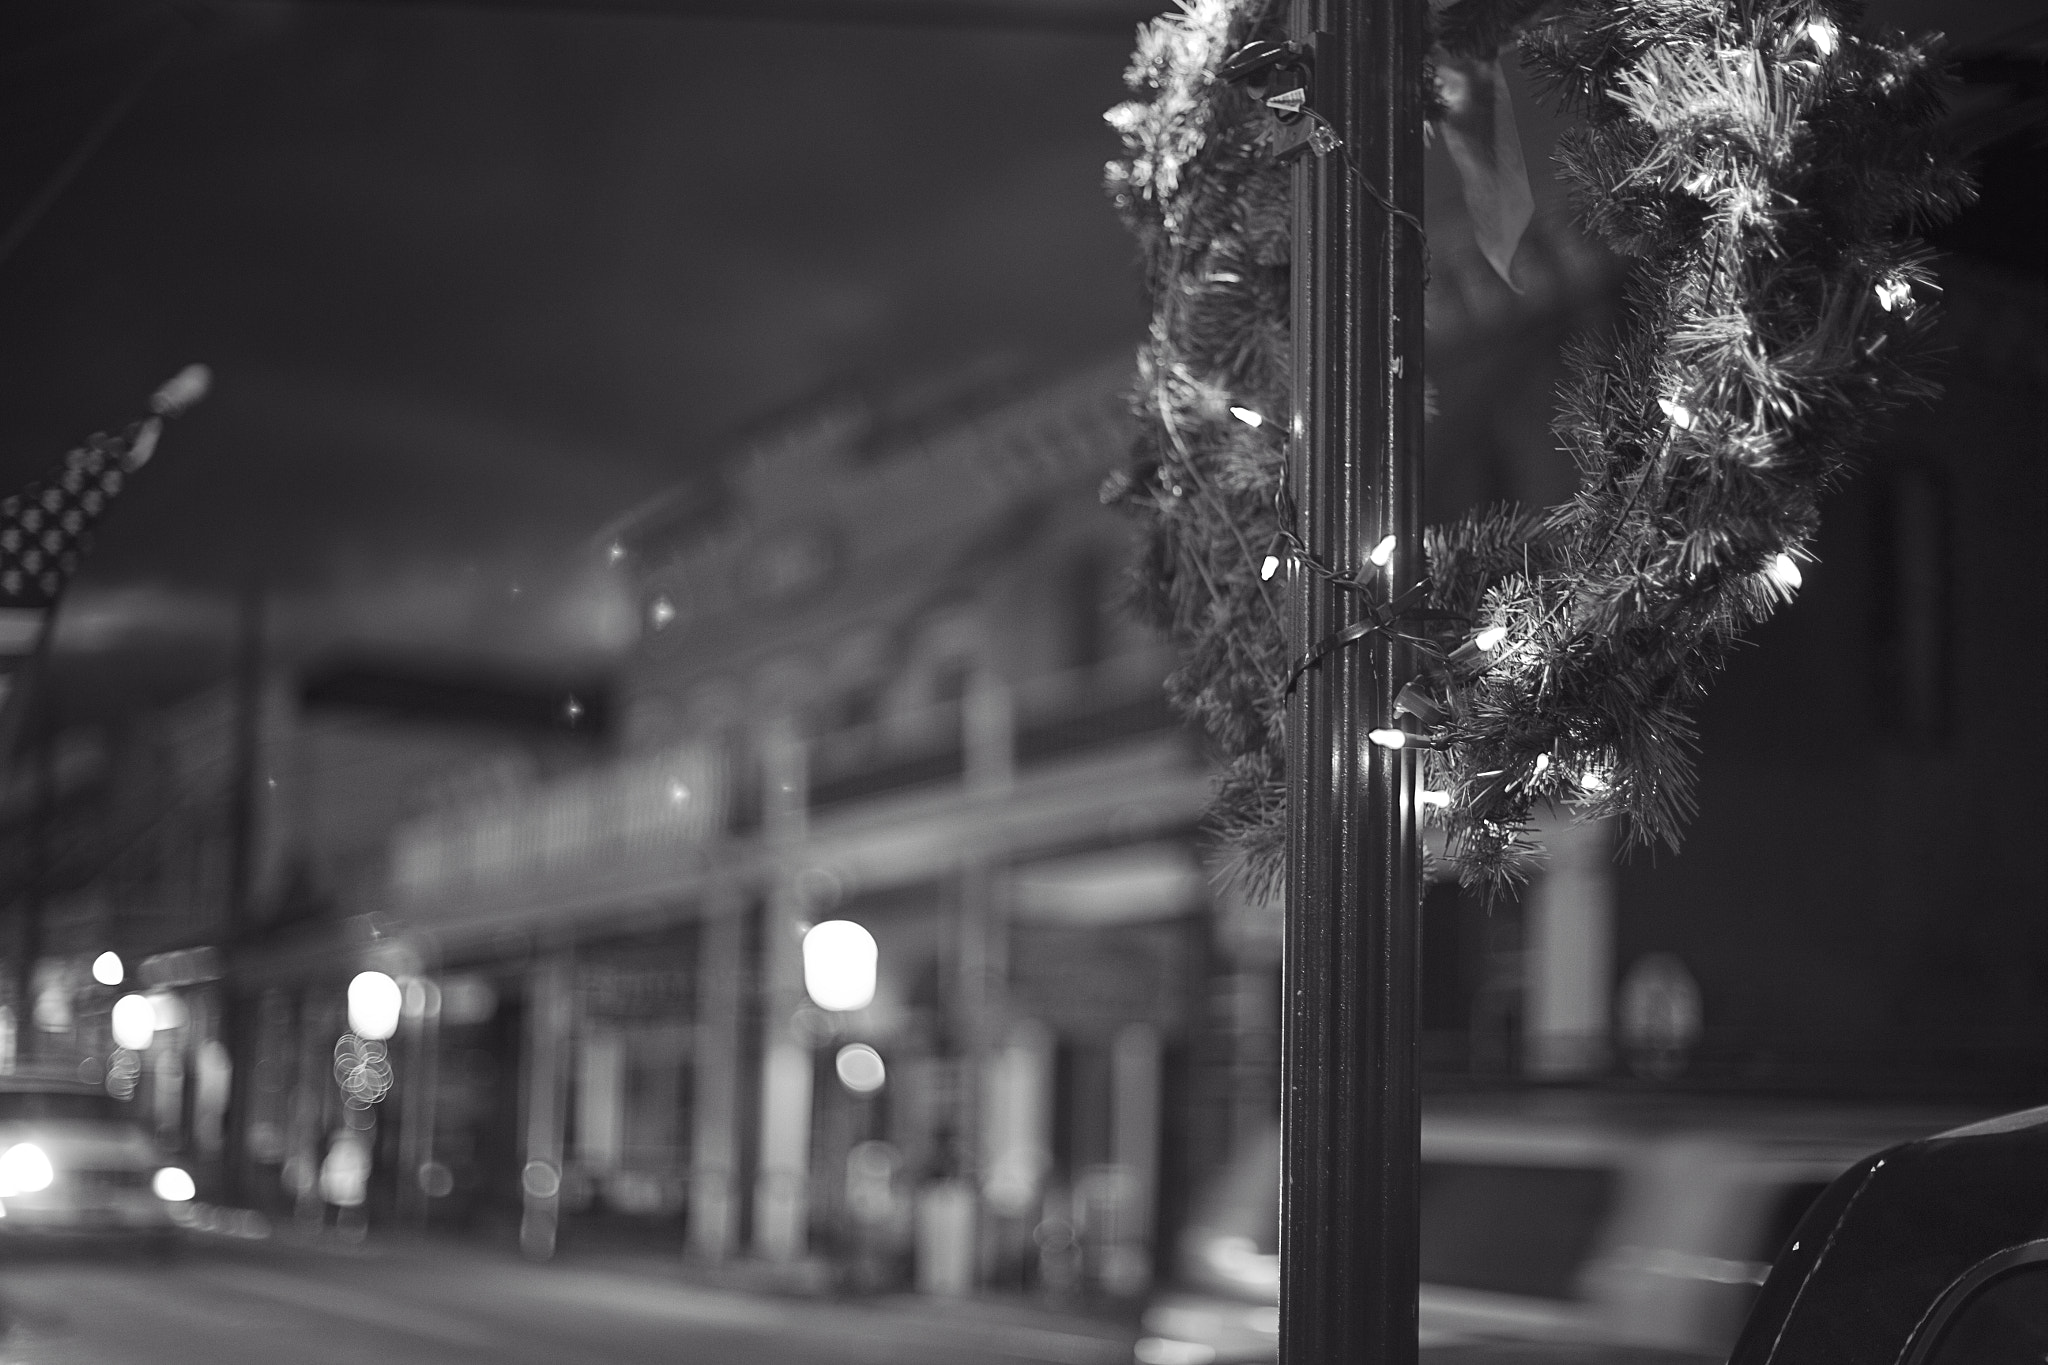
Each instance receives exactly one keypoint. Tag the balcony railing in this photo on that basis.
(677, 798)
(689, 796)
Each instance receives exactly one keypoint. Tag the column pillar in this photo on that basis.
(714, 1141)
(782, 1173)
(548, 1022)
(1568, 957)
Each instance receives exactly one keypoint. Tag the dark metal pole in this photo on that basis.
(35, 909)
(237, 1001)
(1350, 1116)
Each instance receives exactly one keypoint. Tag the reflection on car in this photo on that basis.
(1610, 1227)
(75, 1162)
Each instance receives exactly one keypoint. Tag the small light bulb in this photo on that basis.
(1269, 568)
(678, 793)
(1822, 35)
(1388, 739)
(1542, 762)
(1784, 572)
(662, 612)
(1681, 416)
(616, 553)
(1893, 293)
(1593, 780)
(1384, 551)
(1488, 640)
(1434, 798)
(1248, 416)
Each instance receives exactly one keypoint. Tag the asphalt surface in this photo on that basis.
(308, 1305)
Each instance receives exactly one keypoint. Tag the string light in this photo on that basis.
(1435, 799)
(1383, 551)
(1542, 762)
(662, 612)
(1893, 293)
(616, 553)
(1250, 417)
(1784, 572)
(1269, 568)
(1681, 416)
(1593, 780)
(1389, 739)
(1822, 35)
(1489, 640)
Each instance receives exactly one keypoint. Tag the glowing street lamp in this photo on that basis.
(134, 1022)
(374, 1003)
(839, 965)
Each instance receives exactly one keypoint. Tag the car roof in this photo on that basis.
(1652, 1114)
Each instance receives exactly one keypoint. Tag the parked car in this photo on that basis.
(1934, 1252)
(75, 1163)
(1555, 1225)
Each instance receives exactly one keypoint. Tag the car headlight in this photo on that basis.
(24, 1169)
(173, 1185)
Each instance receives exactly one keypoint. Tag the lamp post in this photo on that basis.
(1350, 1115)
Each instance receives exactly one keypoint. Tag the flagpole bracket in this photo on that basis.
(1280, 74)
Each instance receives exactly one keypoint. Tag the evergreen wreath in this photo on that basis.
(1762, 165)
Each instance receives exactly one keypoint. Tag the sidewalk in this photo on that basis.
(1083, 1334)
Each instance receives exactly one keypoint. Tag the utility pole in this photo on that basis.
(237, 1005)
(1350, 1114)
(35, 908)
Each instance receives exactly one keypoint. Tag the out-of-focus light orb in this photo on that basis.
(860, 1068)
(173, 1185)
(134, 1022)
(24, 1169)
(839, 965)
(107, 969)
(374, 1003)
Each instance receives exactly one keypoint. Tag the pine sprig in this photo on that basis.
(1763, 166)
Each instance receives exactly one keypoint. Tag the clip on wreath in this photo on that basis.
(1761, 164)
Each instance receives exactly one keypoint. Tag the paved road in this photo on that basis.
(272, 1302)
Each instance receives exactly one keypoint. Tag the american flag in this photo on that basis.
(46, 527)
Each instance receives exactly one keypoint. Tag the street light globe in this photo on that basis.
(860, 1068)
(374, 1002)
(107, 969)
(839, 965)
(134, 1022)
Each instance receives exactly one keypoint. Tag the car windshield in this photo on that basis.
(16, 1105)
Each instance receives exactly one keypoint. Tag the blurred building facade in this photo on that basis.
(882, 680)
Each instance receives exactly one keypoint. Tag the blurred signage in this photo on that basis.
(180, 967)
(642, 807)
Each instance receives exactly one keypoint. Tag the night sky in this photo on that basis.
(475, 280)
